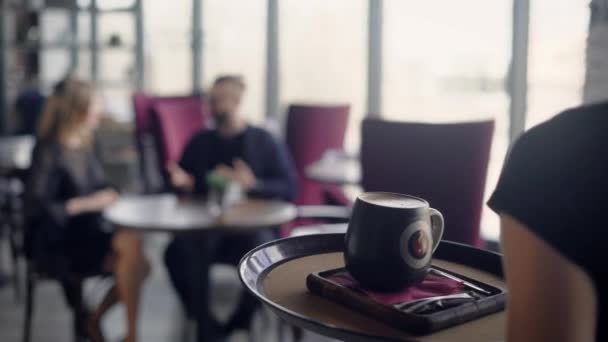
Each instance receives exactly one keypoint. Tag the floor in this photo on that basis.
(161, 320)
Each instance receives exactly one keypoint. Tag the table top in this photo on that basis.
(168, 213)
(16, 152)
(325, 212)
(336, 168)
(276, 273)
(327, 228)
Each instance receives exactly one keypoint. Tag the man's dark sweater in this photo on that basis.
(188, 257)
(267, 159)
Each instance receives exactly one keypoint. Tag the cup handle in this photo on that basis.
(437, 225)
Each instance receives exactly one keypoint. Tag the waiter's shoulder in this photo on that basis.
(576, 126)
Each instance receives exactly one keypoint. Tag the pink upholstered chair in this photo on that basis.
(177, 123)
(445, 164)
(311, 130)
(145, 139)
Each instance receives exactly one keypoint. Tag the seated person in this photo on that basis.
(28, 107)
(246, 155)
(65, 194)
(552, 200)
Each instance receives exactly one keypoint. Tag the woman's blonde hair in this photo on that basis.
(66, 111)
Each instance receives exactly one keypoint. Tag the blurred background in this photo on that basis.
(439, 61)
(518, 62)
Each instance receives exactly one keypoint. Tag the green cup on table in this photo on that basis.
(217, 184)
(217, 181)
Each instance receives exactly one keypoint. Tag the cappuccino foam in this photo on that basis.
(387, 199)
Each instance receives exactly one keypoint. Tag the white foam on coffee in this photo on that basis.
(388, 199)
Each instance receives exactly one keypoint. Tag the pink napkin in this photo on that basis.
(433, 285)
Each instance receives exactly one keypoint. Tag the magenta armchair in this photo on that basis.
(146, 140)
(311, 131)
(177, 123)
(445, 164)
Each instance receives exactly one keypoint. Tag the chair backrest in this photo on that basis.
(446, 164)
(144, 136)
(310, 131)
(143, 105)
(177, 122)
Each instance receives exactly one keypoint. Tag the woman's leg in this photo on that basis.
(130, 270)
(93, 325)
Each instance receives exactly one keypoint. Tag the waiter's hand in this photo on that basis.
(240, 173)
(180, 178)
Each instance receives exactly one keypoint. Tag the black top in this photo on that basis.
(555, 181)
(29, 106)
(267, 158)
(58, 175)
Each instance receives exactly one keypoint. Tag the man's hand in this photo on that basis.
(180, 178)
(240, 173)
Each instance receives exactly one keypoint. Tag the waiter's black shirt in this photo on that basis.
(555, 181)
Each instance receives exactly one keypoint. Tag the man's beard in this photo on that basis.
(220, 118)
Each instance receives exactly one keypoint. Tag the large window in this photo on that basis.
(323, 55)
(168, 54)
(442, 61)
(235, 43)
(55, 57)
(556, 60)
(116, 41)
(83, 68)
(446, 61)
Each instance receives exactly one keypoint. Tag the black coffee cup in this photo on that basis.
(390, 240)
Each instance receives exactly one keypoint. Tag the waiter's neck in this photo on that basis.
(232, 127)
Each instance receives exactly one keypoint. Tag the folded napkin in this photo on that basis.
(433, 285)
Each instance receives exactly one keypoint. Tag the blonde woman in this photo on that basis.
(65, 195)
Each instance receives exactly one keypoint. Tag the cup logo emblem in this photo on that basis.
(416, 245)
(419, 245)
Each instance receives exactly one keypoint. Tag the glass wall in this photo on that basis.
(446, 61)
(168, 53)
(234, 38)
(55, 58)
(323, 55)
(83, 69)
(556, 59)
(442, 61)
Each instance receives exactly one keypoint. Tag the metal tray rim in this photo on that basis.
(258, 264)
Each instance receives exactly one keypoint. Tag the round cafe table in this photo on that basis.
(337, 168)
(170, 214)
(322, 228)
(15, 153)
(276, 274)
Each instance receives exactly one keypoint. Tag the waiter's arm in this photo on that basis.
(550, 298)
